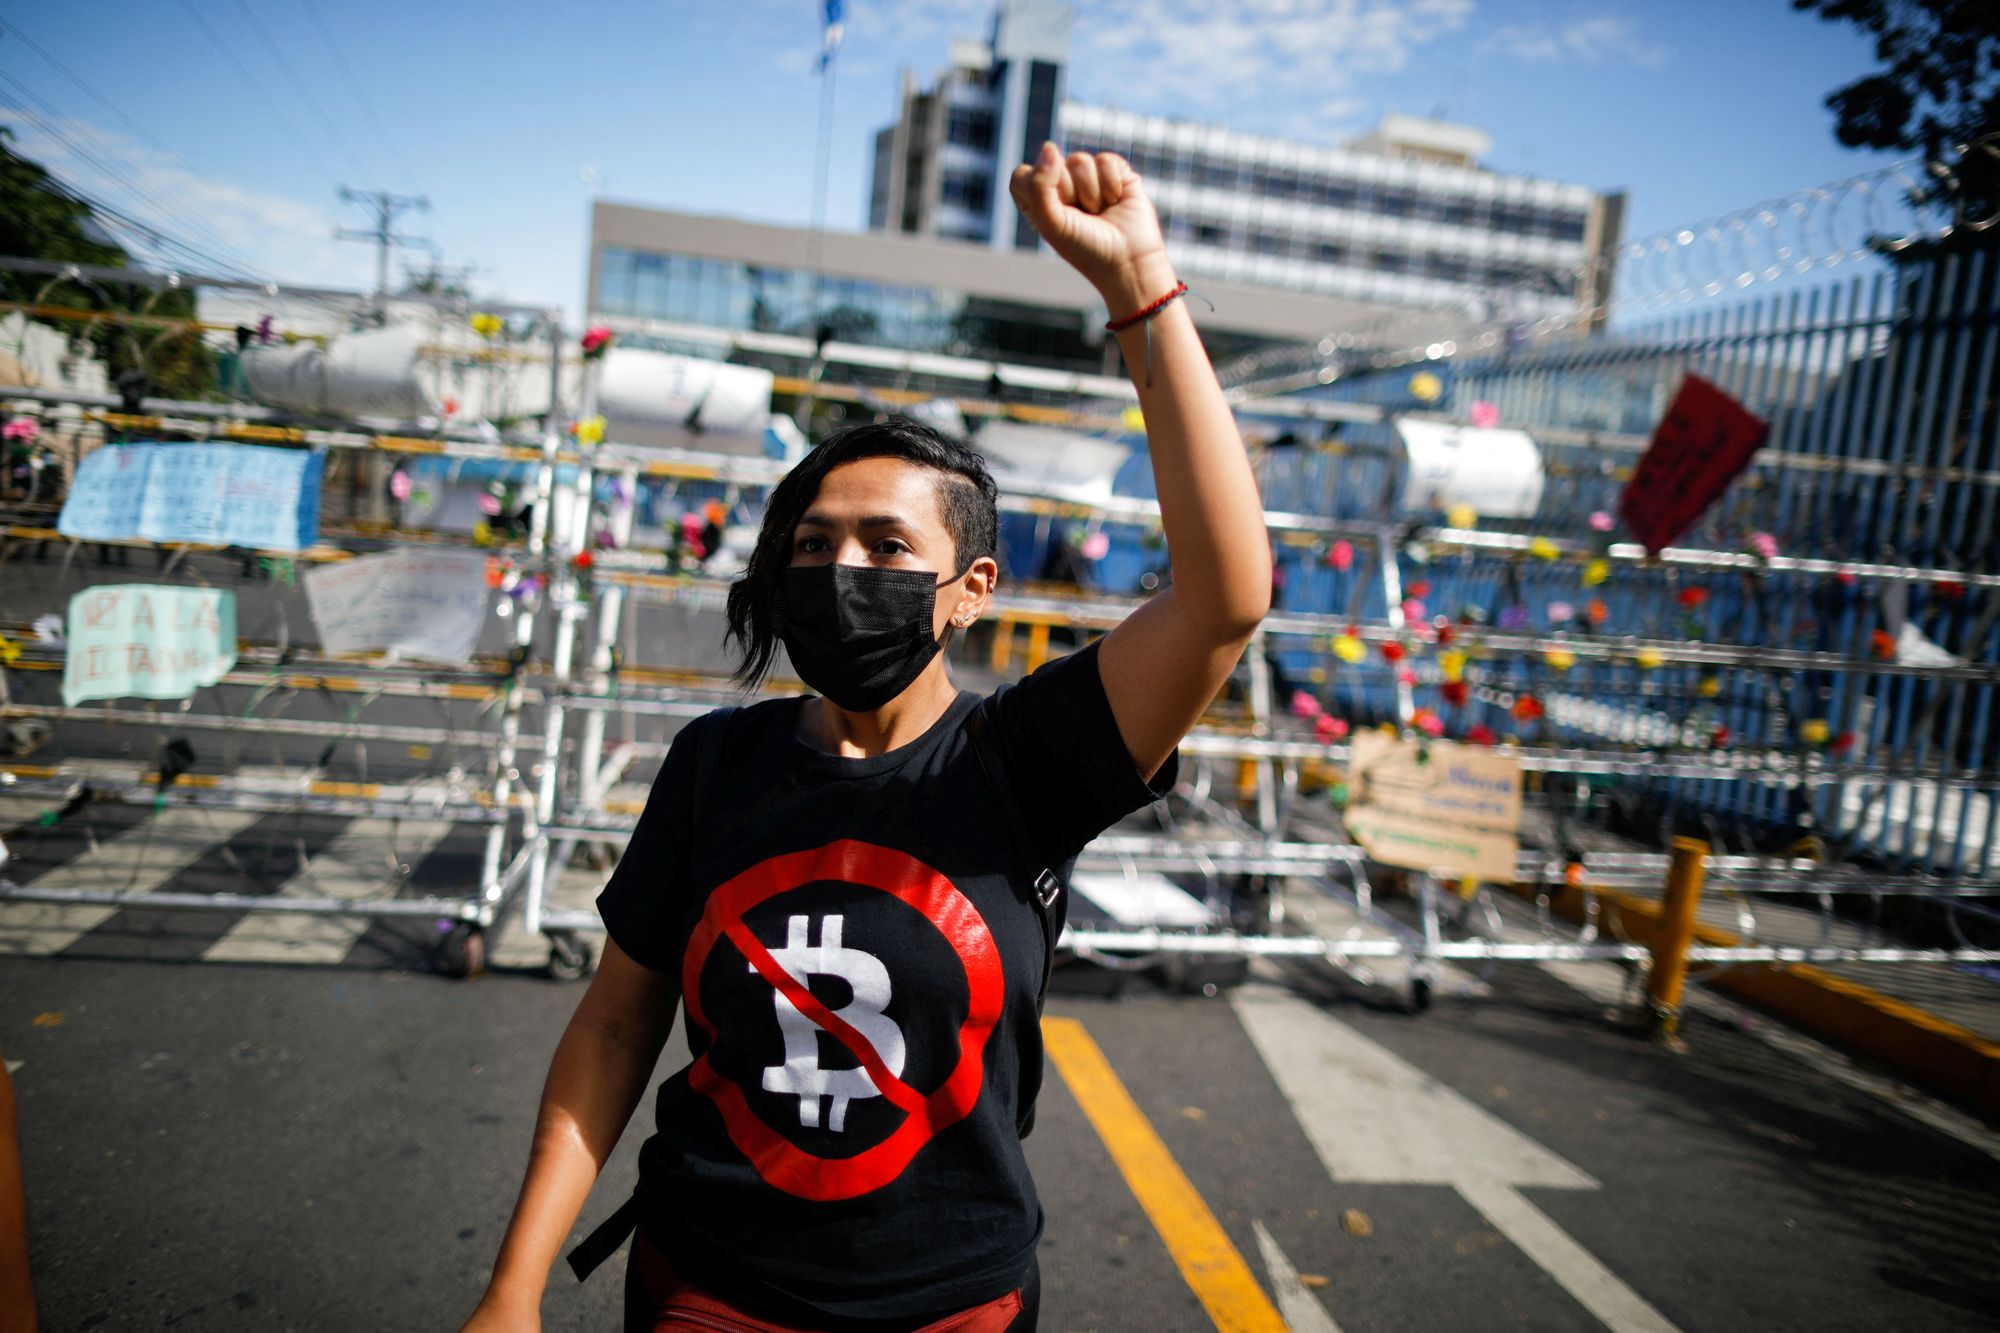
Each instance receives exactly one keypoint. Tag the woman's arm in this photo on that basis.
(601, 1068)
(1166, 661)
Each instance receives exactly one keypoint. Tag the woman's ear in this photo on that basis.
(976, 591)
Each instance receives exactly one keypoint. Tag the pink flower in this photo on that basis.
(1430, 723)
(1303, 704)
(1406, 676)
(1340, 556)
(1602, 522)
(22, 428)
(596, 339)
(1096, 546)
(489, 504)
(1764, 545)
(1485, 415)
(399, 484)
(1561, 613)
(1330, 728)
(1413, 610)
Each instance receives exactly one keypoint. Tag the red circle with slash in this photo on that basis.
(778, 1160)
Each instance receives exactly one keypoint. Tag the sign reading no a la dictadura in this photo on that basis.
(148, 641)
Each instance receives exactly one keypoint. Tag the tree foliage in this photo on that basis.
(1938, 89)
(40, 218)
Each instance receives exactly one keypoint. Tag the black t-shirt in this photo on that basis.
(859, 955)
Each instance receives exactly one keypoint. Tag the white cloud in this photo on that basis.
(1217, 57)
(267, 233)
(1604, 39)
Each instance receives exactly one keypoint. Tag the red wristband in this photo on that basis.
(1120, 325)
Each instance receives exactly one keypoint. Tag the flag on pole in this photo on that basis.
(830, 41)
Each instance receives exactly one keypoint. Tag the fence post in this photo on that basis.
(1685, 870)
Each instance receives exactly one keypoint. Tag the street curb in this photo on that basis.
(1951, 1060)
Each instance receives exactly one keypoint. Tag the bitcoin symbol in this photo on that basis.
(800, 1075)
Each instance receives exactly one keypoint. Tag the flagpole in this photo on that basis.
(830, 44)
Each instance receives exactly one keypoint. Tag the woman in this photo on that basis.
(849, 924)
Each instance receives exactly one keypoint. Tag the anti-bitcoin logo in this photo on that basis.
(800, 1075)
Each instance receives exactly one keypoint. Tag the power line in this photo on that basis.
(137, 130)
(299, 85)
(360, 94)
(250, 80)
(386, 207)
(121, 175)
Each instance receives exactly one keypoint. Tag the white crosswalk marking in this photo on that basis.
(140, 859)
(1301, 1309)
(356, 864)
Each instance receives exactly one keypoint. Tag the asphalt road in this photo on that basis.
(258, 1147)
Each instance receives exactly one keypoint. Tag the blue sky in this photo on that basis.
(230, 123)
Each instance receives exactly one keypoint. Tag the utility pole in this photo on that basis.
(386, 207)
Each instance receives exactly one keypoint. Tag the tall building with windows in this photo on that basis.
(1405, 215)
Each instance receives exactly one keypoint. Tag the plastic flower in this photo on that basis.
(1456, 693)
(1451, 663)
(596, 339)
(1514, 617)
(584, 560)
(1843, 742)
(1426, 387)
(1480, 734)
(1709, 687)
(1350, 649)
(1096, 546)
(1949, 589)
(1543, 549)
(1763, 545)
(1561, 613)
(1413, 610)
(1340, 556)
(1420, 589)
(1883, 645)
(399, 484)
(1596, 572)
(1303, 704)
(1814, 731)
(1649, 659)
(1527, 708)
(1560, 658)
(24, 429)
(1484, 415)
(487, 326)
(1330, 728)
(1597, 612)
(1602, 522)
(1393, 652)
(1429, 722)
(590, 430)
(1462, 516)
(1406, 676)
(1691, 597)
(1719, 738)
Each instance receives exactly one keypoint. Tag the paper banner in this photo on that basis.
(1496, 473)
(1703, 442)
(1440, 807)
(149, 641)
(407, 602)
(210, 494)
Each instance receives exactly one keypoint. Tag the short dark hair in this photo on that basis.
(966, 494)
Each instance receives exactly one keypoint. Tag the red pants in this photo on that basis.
(659, 1300)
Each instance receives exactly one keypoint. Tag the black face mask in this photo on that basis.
(858, 635)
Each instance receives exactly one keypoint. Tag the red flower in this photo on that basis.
(1883, 645)
(1691, 597)
(1455, 692)
(1480, 734)
(1720, 739)
(1598, 612)
(1420, 589)
(584, 560)
(1843, 742)
(1949, 589)
(1429, 722)
(1445, 632)
(596, 339)
(1330, 728)
(1527, 708)
(1392, 652)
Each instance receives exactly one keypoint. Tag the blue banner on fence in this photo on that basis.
(211, 494)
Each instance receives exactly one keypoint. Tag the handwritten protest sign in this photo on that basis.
(149, 641)
(1704, 440)
(408, 602)
(1450, 809)
(1497, 473)
(210, 494)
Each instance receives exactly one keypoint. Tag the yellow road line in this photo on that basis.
(1199, 1246)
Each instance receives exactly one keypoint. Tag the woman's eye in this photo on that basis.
(810, 545)
(890, 546)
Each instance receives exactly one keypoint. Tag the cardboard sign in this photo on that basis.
(1497, 473)
(408, 602)
(209, 494)
(1699, 447)
(147, 640)
(1452, 810)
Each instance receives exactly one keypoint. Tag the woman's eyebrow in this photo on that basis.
(872, 521)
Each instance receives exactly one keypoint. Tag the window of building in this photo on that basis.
(1209, 233)
(970, 127)
(1215, 174)
(1269, 243)
(1393, 202)
(1329, 253)
(965, 190)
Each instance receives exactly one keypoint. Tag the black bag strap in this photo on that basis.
(707, 733)
(1050, 882)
